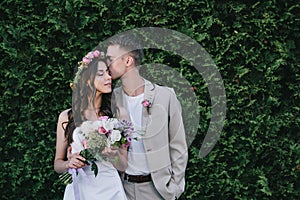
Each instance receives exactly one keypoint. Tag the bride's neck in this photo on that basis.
(93, 109)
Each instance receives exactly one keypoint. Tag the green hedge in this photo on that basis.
(255, 46)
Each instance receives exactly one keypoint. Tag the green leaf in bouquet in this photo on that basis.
(87, 155)
(94, 168)
(90, 159)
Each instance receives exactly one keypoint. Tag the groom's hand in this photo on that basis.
(111, 152)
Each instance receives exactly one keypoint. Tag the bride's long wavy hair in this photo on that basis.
(83, 95)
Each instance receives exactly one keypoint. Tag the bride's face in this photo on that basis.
(102, 79)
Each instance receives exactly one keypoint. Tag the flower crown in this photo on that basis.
(85, 63)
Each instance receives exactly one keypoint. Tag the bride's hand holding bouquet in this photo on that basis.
(106, 139)
(75, 160)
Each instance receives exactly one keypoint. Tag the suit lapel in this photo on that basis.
(148, 95)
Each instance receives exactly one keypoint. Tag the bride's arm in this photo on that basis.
(118, 157)
(61, 163)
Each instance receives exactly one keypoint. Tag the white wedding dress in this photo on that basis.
(106, 185)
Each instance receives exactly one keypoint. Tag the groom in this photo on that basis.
(157, 161)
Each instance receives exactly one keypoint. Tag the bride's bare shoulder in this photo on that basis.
(63, 116)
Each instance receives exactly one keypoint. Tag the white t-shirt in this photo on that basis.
(137, 160)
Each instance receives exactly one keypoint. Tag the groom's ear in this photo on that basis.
(129, 60)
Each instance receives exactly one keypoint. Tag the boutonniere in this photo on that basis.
(147, 104)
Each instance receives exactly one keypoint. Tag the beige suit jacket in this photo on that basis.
(163, 137)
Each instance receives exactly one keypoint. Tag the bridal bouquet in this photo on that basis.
(103, 133)
(99, 134)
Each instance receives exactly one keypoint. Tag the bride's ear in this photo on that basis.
(88, 83)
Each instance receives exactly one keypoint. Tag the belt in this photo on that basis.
(137, 178)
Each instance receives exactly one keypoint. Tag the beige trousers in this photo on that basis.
(141, 191)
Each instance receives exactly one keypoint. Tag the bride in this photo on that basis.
(91, 99)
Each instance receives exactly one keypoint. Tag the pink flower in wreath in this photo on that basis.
(90, 55)
(86, 60)
(96, 53)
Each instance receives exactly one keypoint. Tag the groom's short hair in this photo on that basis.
(131, 43)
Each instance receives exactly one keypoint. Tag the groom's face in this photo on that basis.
(116, 61)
